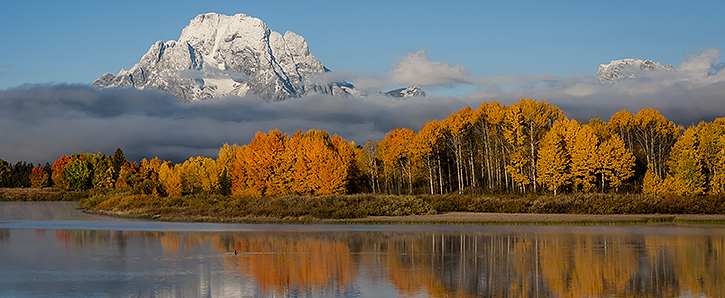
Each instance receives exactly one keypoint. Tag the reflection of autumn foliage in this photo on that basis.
(64, 237)
(279, 264)
(456, 264)
(408, 267)
(586, 266)
(698, 265)
(170, 242)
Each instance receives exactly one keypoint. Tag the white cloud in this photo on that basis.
(417, 69)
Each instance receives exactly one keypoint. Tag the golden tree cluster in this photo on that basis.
(525, 147)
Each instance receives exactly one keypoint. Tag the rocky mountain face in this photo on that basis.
(627, 69)
(219, 55)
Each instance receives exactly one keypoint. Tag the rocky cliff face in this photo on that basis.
(627, 69)
(219, 55)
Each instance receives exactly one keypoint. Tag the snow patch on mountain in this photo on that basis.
(219, 55)
(618, 70)
(408, 92)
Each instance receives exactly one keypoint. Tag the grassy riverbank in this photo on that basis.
(378, 208)
(40, 194)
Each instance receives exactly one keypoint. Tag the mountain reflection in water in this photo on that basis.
(508, 261)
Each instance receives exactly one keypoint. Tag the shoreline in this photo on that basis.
(457, 218)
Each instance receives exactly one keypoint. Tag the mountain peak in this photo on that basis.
(617, 70)
(219, 55)
(413, 91)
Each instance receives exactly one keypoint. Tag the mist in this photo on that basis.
(40, 123)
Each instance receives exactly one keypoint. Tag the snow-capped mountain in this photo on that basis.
(219, 55)
(413, 91)
(627, 69)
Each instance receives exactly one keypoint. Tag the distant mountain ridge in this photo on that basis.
(618, 70)
(219, 55)
(408, 92)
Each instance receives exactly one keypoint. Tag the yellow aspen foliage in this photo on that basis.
(173, 182)
(126, 175)
(398, 155)
(709, 143)
(488, 121)
(717, 183)
(318, 168)
(655, 135)
(584, 159)
(149, 169)
(103, 174)
(368, 163)
(227, 155)
(651, 182)
(615, 163)
(601, 129)
(199, 174)
(427, 142)
(457, 129)
(348, 156)
(164, 170)
(684, 165)
(526, 124)
(553, 166)
(622, 123)
(428, 138)
(518, 159)
(671, 186)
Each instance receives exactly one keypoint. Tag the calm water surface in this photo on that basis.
(52, 250)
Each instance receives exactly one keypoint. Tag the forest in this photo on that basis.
(526, 148)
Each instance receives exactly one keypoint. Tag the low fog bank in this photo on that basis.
(39, 123)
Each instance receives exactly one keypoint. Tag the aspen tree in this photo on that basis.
(614, 163)
(553, 167)
(684, 165)
(655, 136)
(457, 128)
(368, 163)
(717, 183)
(584, 158)
(526, 124)
(398, 156)
(427, 144)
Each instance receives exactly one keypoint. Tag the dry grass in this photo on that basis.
(39, 194)
(387, 209)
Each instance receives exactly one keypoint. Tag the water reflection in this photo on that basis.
(666, 262)
(83, 255)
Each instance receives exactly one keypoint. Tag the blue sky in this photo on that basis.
(462, 53)
(77, 41)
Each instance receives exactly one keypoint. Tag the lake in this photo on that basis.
(50, 249)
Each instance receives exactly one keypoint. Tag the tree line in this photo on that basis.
(526, 147)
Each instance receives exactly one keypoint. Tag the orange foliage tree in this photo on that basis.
(38, 177)
(58, 176)
(260, 168)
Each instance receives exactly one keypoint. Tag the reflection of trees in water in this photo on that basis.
(284, 265)
(459, 264)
